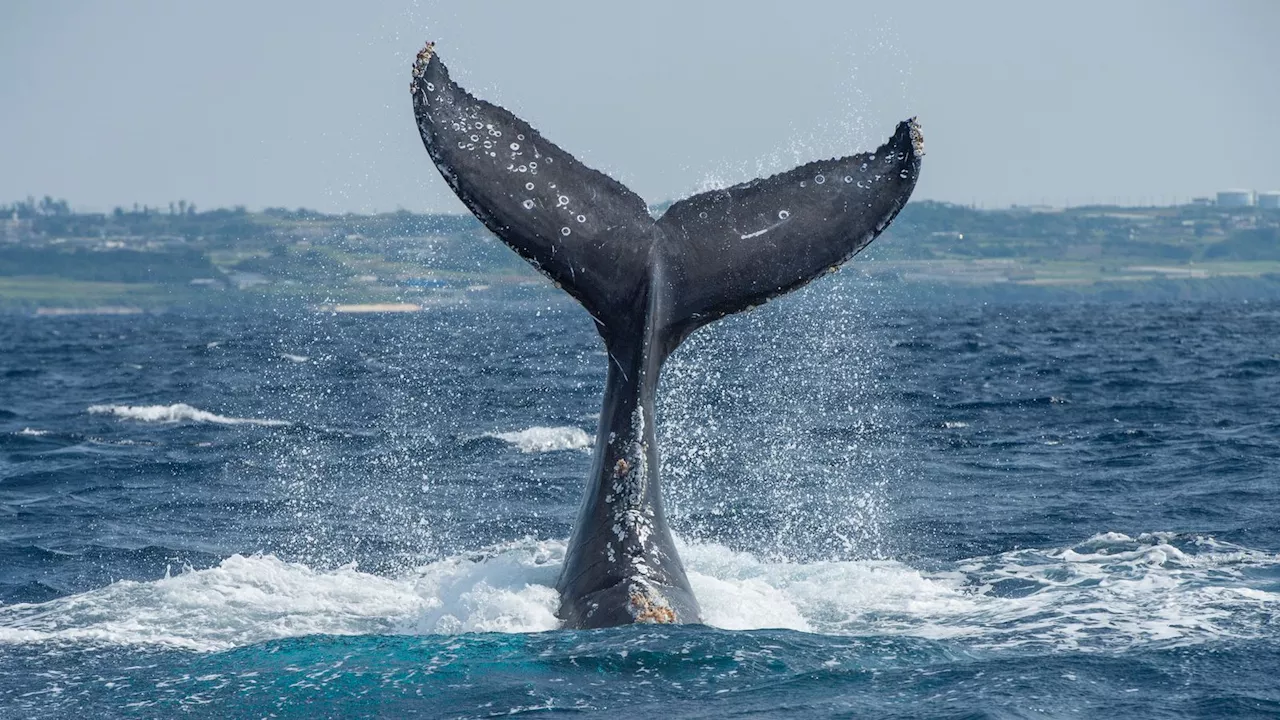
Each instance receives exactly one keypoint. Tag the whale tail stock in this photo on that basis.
(647, 284)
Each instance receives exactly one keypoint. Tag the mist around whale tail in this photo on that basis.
(647, 284)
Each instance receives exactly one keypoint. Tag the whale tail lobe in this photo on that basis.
(720, 252)
(648, 284)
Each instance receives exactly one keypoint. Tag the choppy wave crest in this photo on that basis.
(546, 439)
(176, 413)
(250, 599)
(1110, 592)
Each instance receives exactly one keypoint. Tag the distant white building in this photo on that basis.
(1269, 200)
(1235, 198)
(11, 229)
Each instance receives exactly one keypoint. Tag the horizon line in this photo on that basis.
(167, 209)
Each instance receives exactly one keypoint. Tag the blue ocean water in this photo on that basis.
(888, 508)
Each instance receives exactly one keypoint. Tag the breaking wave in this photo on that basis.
(546, 439)
(1109, 593)
(176, 413)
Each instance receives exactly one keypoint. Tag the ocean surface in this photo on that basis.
(887, 508)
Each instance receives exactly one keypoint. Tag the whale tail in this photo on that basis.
(723, 251)
(648, 284)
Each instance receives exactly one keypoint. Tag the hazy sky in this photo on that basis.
(307, 104)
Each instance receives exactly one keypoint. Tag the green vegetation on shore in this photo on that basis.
(145, 257)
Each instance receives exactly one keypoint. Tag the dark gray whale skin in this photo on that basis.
(648, 284)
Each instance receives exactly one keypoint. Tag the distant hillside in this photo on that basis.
(49, 254)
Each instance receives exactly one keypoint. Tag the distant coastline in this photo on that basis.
(53, 260)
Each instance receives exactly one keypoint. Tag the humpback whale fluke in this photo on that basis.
(647, 284)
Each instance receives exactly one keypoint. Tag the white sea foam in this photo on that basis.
(1111, 592)
(546, 439)
(176, 413)
(32, 432)
(246, 600)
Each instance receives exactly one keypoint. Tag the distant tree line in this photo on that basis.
(923, 230)
(31, 208)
